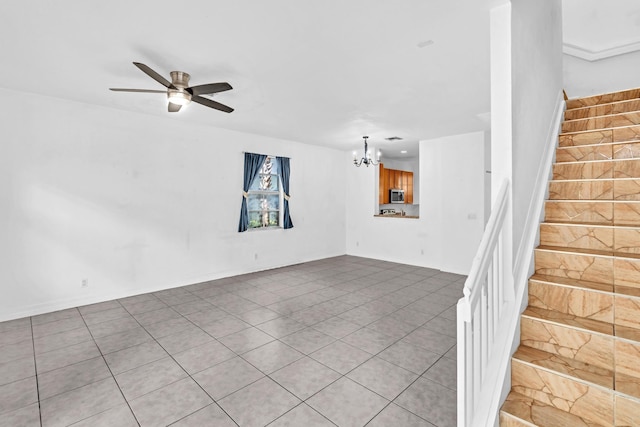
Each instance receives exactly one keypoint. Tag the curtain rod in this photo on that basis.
(270, 155)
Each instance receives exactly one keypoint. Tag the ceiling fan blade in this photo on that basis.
(209, 88)
(117, 89)
(174, 108)
(211, 104)
(155, 76)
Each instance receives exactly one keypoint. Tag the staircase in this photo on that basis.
(579, 359)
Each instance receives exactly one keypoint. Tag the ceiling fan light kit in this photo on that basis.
(179, 96)
(179, 93)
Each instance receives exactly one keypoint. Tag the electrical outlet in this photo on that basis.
(85, 283)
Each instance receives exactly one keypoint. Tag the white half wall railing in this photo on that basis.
(483, 312)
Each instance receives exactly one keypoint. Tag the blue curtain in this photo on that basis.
(252, 164)
(285, 170)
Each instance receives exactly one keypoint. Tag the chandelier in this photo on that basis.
(366, 160)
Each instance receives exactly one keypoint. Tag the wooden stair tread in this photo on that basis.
(537, 413)
(593, 180)
(603, 144)
(627, 290)
(576, 283)
(611, 103)
(583, 224)
(588, 201)
(596, 252)
(578, 162)
(583, 323)
(603, 98)
(600, 116)
(586, 284)
(577, 132)
(586, 223)
(627, 333)
(570, 320)
(569, 367)
(614, 107)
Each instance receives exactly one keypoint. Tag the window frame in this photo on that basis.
(279, 193)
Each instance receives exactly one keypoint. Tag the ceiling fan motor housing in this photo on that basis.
(179, 93)
(179, 96)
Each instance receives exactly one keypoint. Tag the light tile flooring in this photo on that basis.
(343, 341)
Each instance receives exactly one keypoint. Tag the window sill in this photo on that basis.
(274, 227)
(397, 216)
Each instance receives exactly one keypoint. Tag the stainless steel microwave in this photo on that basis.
(396, 195)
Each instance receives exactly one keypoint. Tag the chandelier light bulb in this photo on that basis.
(366, 160)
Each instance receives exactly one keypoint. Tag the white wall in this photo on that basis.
(451, 190)
(136, 203)
(536, 47)
(584, 78)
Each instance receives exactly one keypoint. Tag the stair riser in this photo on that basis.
(626, 151)
(581, 212)
(565, 341)
(574, 266)
(620, 189)
(580, 302)
(627, 412)
(621, 239)
(626, 213)
(584, 170)
(602, 213)
(627, 313)
(575, 236)
(624, 134)
(508, 421)
(597, 170)
(622, 310)
(581, 190)
(593, 268)
(618, 120)
(627, 376)
(522, 411)
(603, 110)
(588, 402)
(603, 99)
(627, 272)
(598, 152)
(584, 153)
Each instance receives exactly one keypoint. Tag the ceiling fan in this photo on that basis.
(179, 92)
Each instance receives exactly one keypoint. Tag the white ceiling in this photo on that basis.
(323, 73)
(599, 27)
(602, 46)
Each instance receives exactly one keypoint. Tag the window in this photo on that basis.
(264, 196)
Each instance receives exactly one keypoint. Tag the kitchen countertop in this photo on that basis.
(397, 216)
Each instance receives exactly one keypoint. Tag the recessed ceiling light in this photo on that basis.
(425, 43)
(404, 152)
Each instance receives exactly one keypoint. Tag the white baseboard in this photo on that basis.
(64, 303)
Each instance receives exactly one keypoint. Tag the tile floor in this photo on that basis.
(344, 341)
